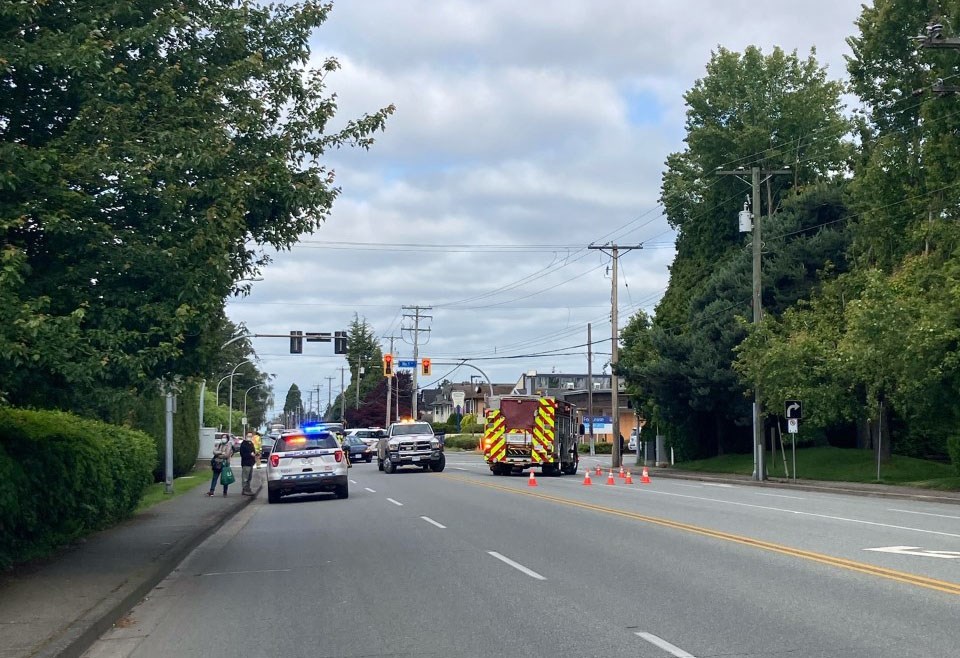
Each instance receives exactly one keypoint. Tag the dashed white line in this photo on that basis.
(717, 484)
(457, 468)
(780, 496)
(395, 502)
(237, 573)
(370, 490)
(432, 522)
(666, 646)
(906, 511)
(353, 482)
(516, 565)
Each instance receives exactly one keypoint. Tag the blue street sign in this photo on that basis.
(407, 364)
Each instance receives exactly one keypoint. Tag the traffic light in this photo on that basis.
(425, 366)
(296, 342)
(388, 365)
(340, 342)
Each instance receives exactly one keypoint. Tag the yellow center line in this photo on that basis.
(851, 565)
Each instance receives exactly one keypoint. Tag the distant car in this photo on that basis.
(632, 444)
(371, 435)
(306, 462)
(358, 449)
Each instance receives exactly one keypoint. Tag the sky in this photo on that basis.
(523, 132)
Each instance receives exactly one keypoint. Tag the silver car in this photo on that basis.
(306, 462)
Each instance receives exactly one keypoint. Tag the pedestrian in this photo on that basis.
(257, 447)
(222, 452)
(247, 461)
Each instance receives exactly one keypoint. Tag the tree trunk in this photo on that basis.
(717, 423)
(864, 434)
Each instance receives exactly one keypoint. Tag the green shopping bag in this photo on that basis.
(226, 475)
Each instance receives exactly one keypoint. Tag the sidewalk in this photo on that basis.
(62, 605)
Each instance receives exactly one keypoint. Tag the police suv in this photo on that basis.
(307, 461)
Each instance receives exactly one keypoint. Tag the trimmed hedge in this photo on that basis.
(462, 441)
(149, 414)
(62, 477)
(599, 448)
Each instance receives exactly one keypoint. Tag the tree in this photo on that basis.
(146, 156)
(293, 403)
(363, 351)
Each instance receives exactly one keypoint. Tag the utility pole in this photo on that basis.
(590, 388)
(416, 343)
(759, 456)
(614, 251)
(343, 395)
(329, 392)
(359, 373)
(390, 384)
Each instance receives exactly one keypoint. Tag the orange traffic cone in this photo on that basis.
(599, 472)
(620, 474)
(629, 479)
(610, 479)
(645, 478)
(532, 482)
(586, 479)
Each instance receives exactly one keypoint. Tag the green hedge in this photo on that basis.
(953, 447)
(599, 448)
(148, 413)
(462, 441)
(62, 477)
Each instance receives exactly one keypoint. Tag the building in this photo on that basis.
(472, 397)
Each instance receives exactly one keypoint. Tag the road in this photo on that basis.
(462, 563)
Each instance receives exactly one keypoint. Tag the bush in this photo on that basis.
(599, 448)
(462, 441)
(62, 477)
(149, 415)
(953, 447)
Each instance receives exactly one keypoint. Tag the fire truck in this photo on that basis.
(527, 431)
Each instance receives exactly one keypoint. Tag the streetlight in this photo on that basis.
(230, 403)
(245, 405)
(226, 377)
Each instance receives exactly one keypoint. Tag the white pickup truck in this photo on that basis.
(410, 444)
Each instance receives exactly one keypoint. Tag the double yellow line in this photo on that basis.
(850, 565)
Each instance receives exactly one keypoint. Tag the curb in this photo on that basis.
(98, 619)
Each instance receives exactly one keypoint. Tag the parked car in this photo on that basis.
(371, 435)
(358, 449)
(632, 443)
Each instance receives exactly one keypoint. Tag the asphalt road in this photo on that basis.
(466, 564)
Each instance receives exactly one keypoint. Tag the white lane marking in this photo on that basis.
(516, 565)
(353, 482)
(689, 486)
(793, 511)
(457, 468)
(432, 522)
(370, 490)
(666, 646)
(906, 511)
(395, 502)
(234, 573)
(717, 484)
(780, 496)
(916, 550)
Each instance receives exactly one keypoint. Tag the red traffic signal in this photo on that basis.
(388, 365)
(425, 366)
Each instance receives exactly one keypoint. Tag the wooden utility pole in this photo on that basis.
(759, 456)
(390, 384)
(593, 450)
(614, 251)
(416, 343)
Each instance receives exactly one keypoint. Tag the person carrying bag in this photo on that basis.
(220, 465)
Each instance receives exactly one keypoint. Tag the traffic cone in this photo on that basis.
(629, 479)
(586, 478)
(645, 478)
(610, 479)
(532, 482)
(620, 474)
(599, 472)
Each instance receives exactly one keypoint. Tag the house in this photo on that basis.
(471, 397)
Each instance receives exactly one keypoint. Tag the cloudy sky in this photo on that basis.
(524, 131)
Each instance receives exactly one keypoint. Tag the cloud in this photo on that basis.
(522, 134)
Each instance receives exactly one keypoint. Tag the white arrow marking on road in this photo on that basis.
(666, 646)
(916, 550)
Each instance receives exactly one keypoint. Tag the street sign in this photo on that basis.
(793, 409)
(407, 364)
(318, 336)
(793, 425)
